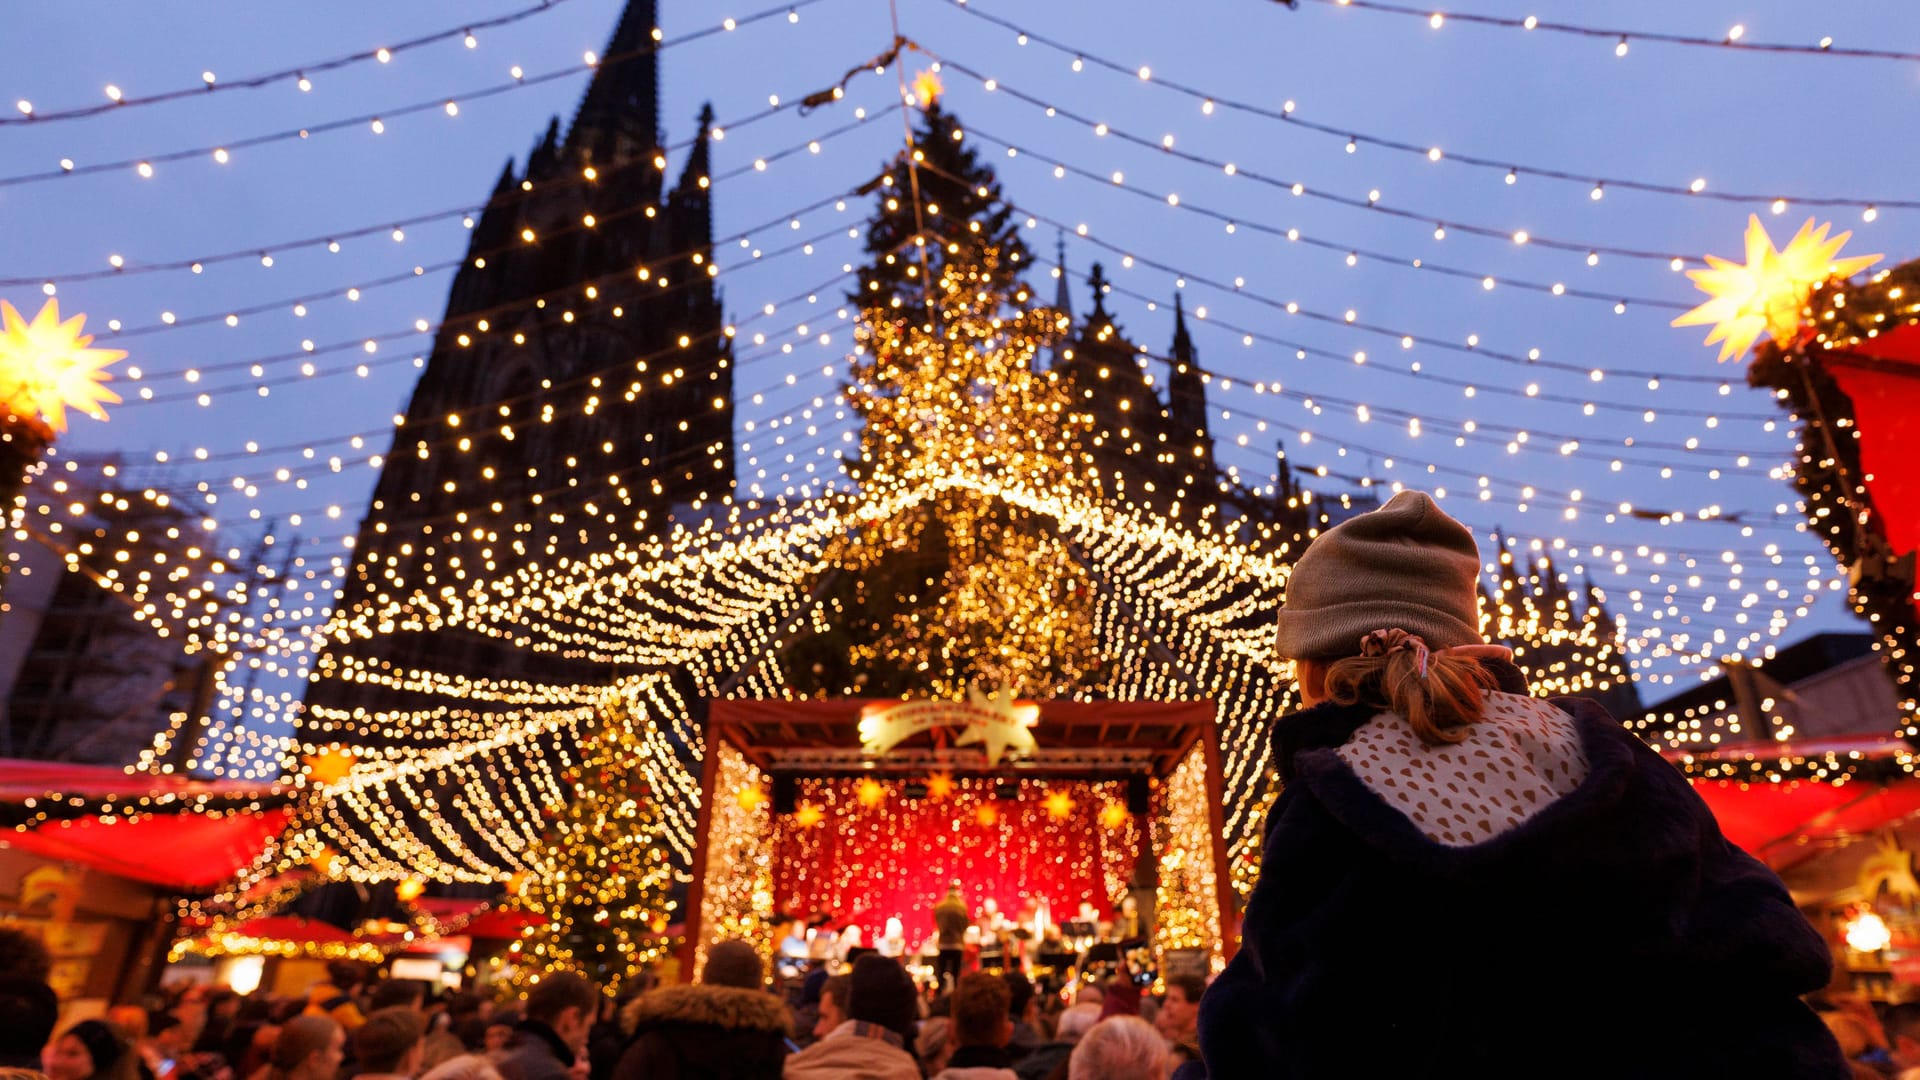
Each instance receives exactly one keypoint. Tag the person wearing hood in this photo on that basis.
(725, 1027)
(1542, 891)
(871, 1043)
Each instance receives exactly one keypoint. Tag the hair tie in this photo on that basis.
(1385, 642)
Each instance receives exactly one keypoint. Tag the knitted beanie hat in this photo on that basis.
(882, 993)
(1406, 565)
(734, 963)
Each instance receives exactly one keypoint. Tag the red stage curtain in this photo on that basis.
(864, 865)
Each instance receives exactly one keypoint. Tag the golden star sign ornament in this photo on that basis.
(927, 89)
(329, 767)
(46, 366)
(996, 722)
(1767, 292)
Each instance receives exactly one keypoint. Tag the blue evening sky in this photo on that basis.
(1744, 121)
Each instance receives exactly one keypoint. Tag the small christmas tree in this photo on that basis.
(600, 877)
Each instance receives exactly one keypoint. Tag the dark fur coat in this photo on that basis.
(705, 1032)
(1615, 933)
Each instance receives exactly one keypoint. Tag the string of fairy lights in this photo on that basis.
(475, 761)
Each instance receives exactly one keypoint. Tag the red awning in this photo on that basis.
(501, 925)
(187, 852)
(22, 780)
(1886, 410)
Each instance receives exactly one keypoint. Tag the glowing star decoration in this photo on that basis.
(1113, 815)
(808, 816)
(986, 816)
(870, 792)
(410, 889)
(939, 785)
(47, 367)
(927, 89)
(1766, 293)
(750, 797)
(997, 722)
(329, 767)
(1059, 804)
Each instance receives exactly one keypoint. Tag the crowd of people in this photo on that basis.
(869, 1021)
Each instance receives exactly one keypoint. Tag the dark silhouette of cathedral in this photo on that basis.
(580, 385)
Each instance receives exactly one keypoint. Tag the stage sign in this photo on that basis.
(997, 722)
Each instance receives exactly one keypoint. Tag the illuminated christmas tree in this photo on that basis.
(600, 877)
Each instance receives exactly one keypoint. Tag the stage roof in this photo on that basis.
(1075, 738)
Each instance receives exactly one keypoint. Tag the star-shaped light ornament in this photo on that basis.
(870, 792)
(808, 816)
(750, 797)
(47, 367)
(999, 724)
(927, 89)
(1059, 804)
(1113, 815)
(939, 785)
(986, 816)
(330, 766)
(1766, 294)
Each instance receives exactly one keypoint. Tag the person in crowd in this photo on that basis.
(399, 993)
(724, 1026)
(1854, 1040)
(333, 996)
(871, 1043)
(1179, 1015)
(982, 1025)
(1119, 1048)
(439, 1048)
(167, 1052)
(90, 1050)
(467, 1019)
(559, 1013)
(1902, 1025)
(607, 1041)
(1439, 822)
(387, 1045)
(309, 1048)
(1074, 1023)
(950, 922)
(31, 1010)
(793, 950)
(499, 1031)
(832, 1010)
(933, 1046)
(463, 1067)
(1023, 1010)
(222, 1021)
(806, 1016)
(1090, 994)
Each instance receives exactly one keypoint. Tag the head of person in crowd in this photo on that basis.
(309, 1048)
(346, 976)
(934, 1044)
(880, 992)
(734, 963)
(1076, 1022)
(388, 1044)
(31, 1011)
(833, 1005)
(499, 1031)
(89, 1050)
(1902, 1024)
(129, 1020)
(438, 1048)
(463, 1067)
(1179, 1014)
(566, 1004)
(168, 1037)
(1090, 994)
(1021, 1008)
(980, 1011)
(24, 955)
(398, 994)
(1119, 1048)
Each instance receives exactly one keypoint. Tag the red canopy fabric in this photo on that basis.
(1886, 406)
(21, 780)
(292, 928)
(500, 925)
(185, 852)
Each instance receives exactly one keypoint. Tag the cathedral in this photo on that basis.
(582, 363)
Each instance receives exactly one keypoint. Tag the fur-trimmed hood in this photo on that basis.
(728, 1007)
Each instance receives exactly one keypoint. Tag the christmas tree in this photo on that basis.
(596, 887)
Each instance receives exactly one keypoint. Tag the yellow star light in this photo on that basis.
(410, 889)
(1113, 815)
(986, 815)
(870, 792)
(1003, 724)
(808, 816)
(329, 767)
(1059, 804)
(939, 785)
(46, 366)
(927, 89)
(1765, 294)
(750, 797)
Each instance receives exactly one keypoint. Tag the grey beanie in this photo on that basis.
(1406, 565)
